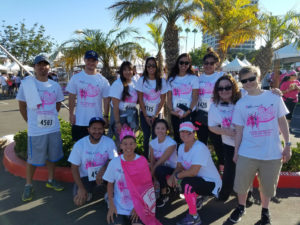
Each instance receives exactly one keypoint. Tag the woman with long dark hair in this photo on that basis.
(182, 96)
(152, 91)
(123, 101)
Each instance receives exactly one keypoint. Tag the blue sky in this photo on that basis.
(62, 17)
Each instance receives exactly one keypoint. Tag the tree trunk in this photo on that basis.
(107, 73)
(264, 59)
(171, 45)
(160, 61)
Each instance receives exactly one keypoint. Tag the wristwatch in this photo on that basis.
(288, 144)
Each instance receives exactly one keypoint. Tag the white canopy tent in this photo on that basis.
(14, 67)
(226, 62)
(3, 68)
(246, 62)
(287, 54)
(234, 65)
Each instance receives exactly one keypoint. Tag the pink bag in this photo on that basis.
(139, 182)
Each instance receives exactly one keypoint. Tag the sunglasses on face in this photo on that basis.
(209, 63)
(184, 63)
(250, 79)
(226, 88)
(151, 66)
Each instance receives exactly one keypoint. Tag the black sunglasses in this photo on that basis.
(226, 88)
(184, 62)
(151, 65)
(209, 63)
(250, 79)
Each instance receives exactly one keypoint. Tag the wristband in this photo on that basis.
(288, 144)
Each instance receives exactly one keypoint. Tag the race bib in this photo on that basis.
(129, 105)
(92, 172)
(183, 101)
(45, 121)
(150, 108)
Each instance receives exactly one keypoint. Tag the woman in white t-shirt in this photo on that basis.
(195, 172)
(163, 158)
(124, 101)
(207, 82)
(152, 91)
(182, 96)
(258, 117)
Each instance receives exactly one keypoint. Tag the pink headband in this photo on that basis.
(188, 126)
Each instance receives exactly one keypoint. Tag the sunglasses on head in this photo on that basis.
(250, 79)
(151, 65)
(209, 63)
(226, 88)
(184, 62)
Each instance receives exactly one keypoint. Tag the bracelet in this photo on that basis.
(176, 175)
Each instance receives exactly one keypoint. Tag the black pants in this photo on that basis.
(147, 131)
(175, 124)
(161, 173)
(290, 104)
(79, 132)
(229, 172)
(199, 185)
(204, 133)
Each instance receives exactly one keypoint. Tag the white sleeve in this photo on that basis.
(213, 116)
(20, 95)
(74, 157)
(109, 172)
(113, 153)
(237, 117)
(195, 82)
(116, 90)
(71, 86)
(139, 84)
(282, 109)
(180, 159)
(60, 96)
(106, 88)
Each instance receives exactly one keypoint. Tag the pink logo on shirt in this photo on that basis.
(153, 95)
(89, 91)
(186, 164)
(132, 98)
(125, 196)
(98, 160)
(48, 98)
(183, 89)
(264, 115)
(226, 122)
(207, 89)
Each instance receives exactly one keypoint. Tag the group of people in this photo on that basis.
(9, 84)
(243, 126)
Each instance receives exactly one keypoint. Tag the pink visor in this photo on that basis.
(188, 126)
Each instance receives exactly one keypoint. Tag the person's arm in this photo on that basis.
(161, 104)
(195, 96)
(152, 159)
(141, 102)
(23, 109)
(81, 193)
(170, 104)
(58, 106)
(222, 131)
(101, 172)
(191, 172)
(167, 154)
(172, 181)
(106, 102)
(116, 112)
(283, 126)
(72, 100)
(112, 208)
(238, 140)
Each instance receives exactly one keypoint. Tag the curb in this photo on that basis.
(17, 167)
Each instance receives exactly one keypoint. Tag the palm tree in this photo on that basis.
(276, 30)
(195, 31)
(108, 46)
(233, 21)
(157, 35)
(187, 31)
(170, 11)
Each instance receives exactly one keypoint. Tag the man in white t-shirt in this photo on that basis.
(89, 158)
(44, 138)
(4, 85)
(87, 90)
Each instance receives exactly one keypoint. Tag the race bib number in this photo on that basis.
(150, 109)
(182, 101)
(202, 105)
(45, 121)
(128, 105)
(92, 172)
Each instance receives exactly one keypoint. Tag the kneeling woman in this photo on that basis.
(130, 190)
(195, 172)
(163, 158)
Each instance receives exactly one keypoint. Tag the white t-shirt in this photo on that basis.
(259, 117)
(222, 115)
(160, 148)
(87, 155)
(206, 89)
(115, 174)
(151, 97)
(90, 89)
(116, 90)
(182, 89)
(44, 119)
(3, 80)
(200, 155)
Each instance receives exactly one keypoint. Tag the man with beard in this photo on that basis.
(89, 158)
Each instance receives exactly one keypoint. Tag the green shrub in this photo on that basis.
(294, 164)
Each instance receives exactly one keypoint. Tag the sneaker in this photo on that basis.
(250, 199)
(27, 193)
(200, 201)
(236, 215)
(189, 220)
(89, 197)
(162, 200)
(54, 185)
(265, 219)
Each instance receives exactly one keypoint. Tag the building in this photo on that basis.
(212, 41)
